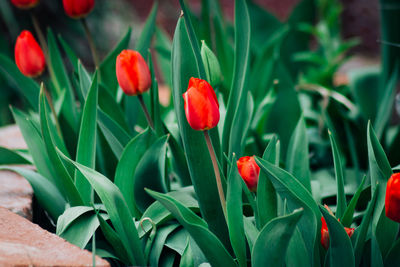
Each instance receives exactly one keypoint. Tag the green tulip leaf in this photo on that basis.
(278, 232)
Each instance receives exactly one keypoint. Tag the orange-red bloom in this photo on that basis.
(325, 233)
(133, 74)
(78, 8)
(201, 105)
(29, 56)
(392, 199)
(250, 171)
(25, 4)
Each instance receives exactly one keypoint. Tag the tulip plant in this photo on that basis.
(241, 169)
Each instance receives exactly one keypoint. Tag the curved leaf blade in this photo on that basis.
(205, 239)
(277, 232)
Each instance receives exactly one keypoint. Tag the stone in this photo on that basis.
(23, 243)
(11, 137)
(16, 194)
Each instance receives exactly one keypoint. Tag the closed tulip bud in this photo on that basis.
(29, 56)
(392, 199)
(325, 233)
(201, 105)
(25, 4)
(250, 171)
(211, 64)
(78, 8)
(133, 74)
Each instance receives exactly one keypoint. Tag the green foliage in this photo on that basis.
(147, 195)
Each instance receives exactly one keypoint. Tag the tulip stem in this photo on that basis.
(91, 42)
(216, 171)
(42, 39)
(146, 111)
(50, 100)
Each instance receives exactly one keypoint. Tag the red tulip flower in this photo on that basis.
(78, 8)
(325, 233)
(201, 105)
(392, 199)
(133, 74)
(25, 4)
(250, 171)
(29, 56)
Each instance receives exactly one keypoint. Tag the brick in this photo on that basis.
(23, 243)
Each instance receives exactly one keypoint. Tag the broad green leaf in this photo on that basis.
(155, 104)
(63, 180)
(340, 250)
(286, 102)
(251, 232)
(61, 82)
(393, 256)
(296, 41)
(160, 215)
(347, 217)
(297, 196)
(234, 211)
(8, 156)
(117, 209)
(211, 64)
(363, 228)
(195, 148)
(385, 106)
(187, 256)
(263, 25)
(48, 196)
(144, 41)
(277, 232)
(238, 92)
(85, 80)
(364, 85)
(193, 41)
(108, 105)
(341, 197)
(36, 146)
(297, 157)
(177, 242)
(266, 58)
(69, 216)
(159, 241)
(163, 54)
(107, 67)
(73, 58)
(112, 237)
(116, 136)
(127, 164)
(80, 230)
(266, 195)
(150, 173)
(86, 150)
(26, 87)
(209, 243)
(380, 171)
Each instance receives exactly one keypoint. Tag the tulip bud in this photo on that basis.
(133, 74)
(325, 233)
(211, 64)
(392, 199)
(29, 56)
(250, 171)
(78, 8)
(25, 4)
(201, 105)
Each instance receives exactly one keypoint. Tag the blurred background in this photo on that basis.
(110, 20)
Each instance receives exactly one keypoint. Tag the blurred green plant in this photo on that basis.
(146, 195)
